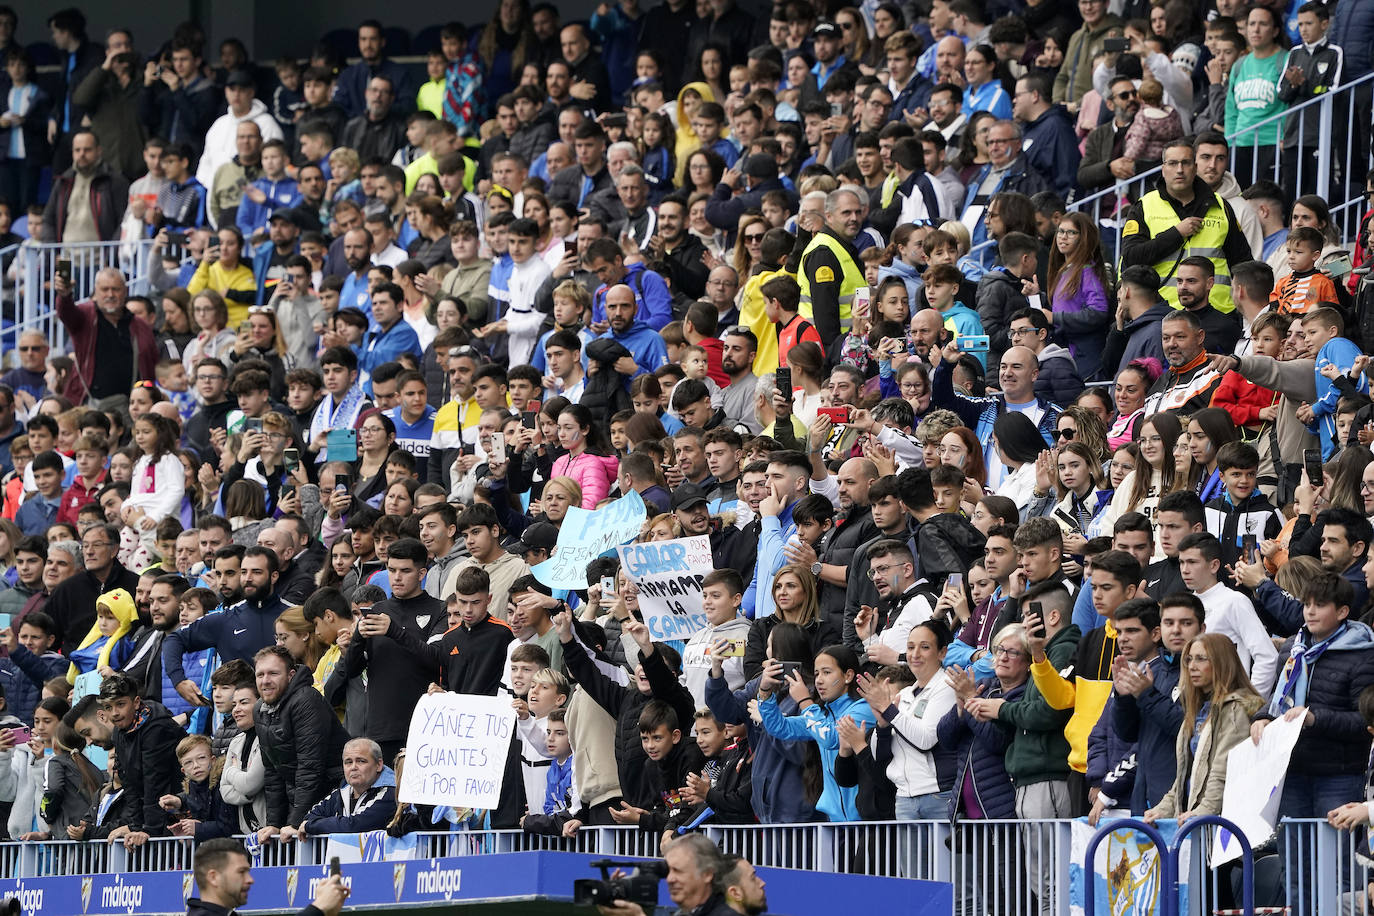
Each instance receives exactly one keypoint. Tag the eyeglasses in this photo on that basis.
(1177, 163)
(1127, 95)
(1066, 232)
(1196, 660)
(1065, 434)
(1007, 652)
(211, 377)
(1017, 332)
(875, 571)
(999, 141)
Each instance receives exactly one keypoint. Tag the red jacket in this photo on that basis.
(79, 495)
(80, 320)
(1242, 399)
(715, 353)
(796, 331)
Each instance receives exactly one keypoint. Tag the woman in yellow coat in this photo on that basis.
(223, 270)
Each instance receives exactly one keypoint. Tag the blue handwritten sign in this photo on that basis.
(457, 749)
(668, 575)
(587, 534)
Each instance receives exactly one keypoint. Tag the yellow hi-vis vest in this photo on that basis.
(1208, 242)
(852, 277)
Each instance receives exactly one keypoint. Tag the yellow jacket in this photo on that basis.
(239, 280)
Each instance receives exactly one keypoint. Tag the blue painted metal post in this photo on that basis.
(1247, 857)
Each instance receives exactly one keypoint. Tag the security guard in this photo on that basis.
(1183, 218)
(830, 271)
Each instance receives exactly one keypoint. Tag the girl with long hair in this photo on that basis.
(506, 43)
(590, 460)
(341, 557)
(960, 448)
(1080, 291)
(973, 147)
(1073, 475)
(1208, 430)
(835, 697)
(214, 338)
(1154, 476)
(1218, 702)
(297, 634)
(159, 480)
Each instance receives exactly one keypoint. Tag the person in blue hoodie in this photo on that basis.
(643, 342)
(1050, 143)
(1324, 327)
(835, 698)
(777, 528)
(367, 799)
(390, 334)
(604, 258)
(942, 285)
(268, 194)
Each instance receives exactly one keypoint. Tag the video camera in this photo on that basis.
(640, 886)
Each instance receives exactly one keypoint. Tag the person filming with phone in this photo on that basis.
(103, 325)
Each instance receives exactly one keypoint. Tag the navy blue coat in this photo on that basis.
(982, 746)
(1151, 721)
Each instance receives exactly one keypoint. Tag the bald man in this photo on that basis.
(1016, 375)
(832, 566)
(926, 329)
(103, 325)
(644, 343)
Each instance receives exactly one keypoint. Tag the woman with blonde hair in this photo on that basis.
(560, 493)
(748, 245)
(960, 233)
(1155, 475)
(1218, 702)
(297, 634)
(796, 601)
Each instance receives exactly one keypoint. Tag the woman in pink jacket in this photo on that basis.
(590, 459)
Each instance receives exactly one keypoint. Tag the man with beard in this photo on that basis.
(853, 527)
(693, 514)
(904, 601)
(237, 632)
(145, 664)
(926, 329)
(739, 347)
(679, 249)
(1191, 381)
(744, 889)
(1213, 158)
(830, 271)
(1194, 279)
(644, 343)
(357, 252)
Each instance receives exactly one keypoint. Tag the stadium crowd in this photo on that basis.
(1016, 510)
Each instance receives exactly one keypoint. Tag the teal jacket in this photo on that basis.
(818, 723)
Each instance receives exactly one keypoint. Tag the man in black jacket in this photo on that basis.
(301, 738)
(72, 604)
(222, 875)
(380, 129)
(760, 173)
(679, 249)
(145, 739)
(471, 657)
(395, 683)
(79, 57)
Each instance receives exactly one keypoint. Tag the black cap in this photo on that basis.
(239, 78)
(688, 495)
(825, 27)
(289, 214)
(538, 536)
(760, 165)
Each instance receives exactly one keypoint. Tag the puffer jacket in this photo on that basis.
(241, 781)
(946, 543)
(778, 792)
(147, 759)
(908, 275)
(344, 811)
(593, 473)
(999, 297)
(1051, 147)
(302, 749)
(1059, 380)
(604, 393)
(1039, 752)
(1354, 23)
(980, 750)
(1337, 742)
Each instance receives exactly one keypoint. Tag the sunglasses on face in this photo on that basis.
(1065, 434)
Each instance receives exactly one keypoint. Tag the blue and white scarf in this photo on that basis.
(1298, 671)
(341, 417)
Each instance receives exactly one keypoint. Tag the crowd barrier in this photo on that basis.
(1310, 868)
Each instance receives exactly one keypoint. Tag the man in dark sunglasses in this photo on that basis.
(27, 377)
(1102, 164)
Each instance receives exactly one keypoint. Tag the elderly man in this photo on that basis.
(696, 874)
(830, 270)
(103, 325)
(366, 801)
(380, 129)
(1007, 170)
(1016, 373)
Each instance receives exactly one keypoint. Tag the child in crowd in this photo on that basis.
(1156, 125)
(1242, 512)
(561, 795)
(1306, 288)
(204, 812)
(92, 451)
(172, 381)
(948, 483)
(724, 784)
(548, 692)
(223, 683)
(70, 782)
(942, 286)
(672, 760)
(108, 645)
